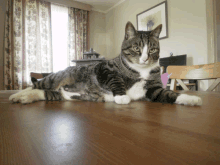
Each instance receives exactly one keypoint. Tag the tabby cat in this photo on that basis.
(133, 75)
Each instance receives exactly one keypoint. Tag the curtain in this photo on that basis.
(27, 42)
(31, 46)
(78, 27)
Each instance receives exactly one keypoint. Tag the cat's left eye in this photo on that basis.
(136, 48)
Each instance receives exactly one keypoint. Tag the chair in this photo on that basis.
(194, 72)
(38, 75)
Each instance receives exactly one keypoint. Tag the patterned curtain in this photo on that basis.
(78, 26)
(27, 42)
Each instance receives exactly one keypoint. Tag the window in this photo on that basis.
(59, 25)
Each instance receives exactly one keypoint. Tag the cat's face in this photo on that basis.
(141, 48)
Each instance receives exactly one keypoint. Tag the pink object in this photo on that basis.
(165, 77)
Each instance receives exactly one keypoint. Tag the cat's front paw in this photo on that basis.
(124, 99)
(188, 100)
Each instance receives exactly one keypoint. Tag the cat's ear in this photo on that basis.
(156, 31)
(33, 80)
(130, 31)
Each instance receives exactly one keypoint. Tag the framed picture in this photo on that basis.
(151, 18)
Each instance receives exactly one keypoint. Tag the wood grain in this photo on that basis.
(196, 72)
(90, 133)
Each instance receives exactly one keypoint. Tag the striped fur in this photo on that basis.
(133, 75)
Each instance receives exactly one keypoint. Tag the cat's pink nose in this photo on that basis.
(144, 60)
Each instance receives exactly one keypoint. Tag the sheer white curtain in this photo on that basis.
(59, 23)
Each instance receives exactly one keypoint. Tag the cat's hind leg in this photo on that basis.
(15, 97)
(28, 96)
(32, 96)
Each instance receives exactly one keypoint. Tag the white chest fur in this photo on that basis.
(144, 70)
(137, 91)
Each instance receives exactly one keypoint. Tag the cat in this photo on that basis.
(133, 75)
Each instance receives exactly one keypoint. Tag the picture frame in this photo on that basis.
(152, 17)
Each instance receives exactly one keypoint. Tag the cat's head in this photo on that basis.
(141, 48)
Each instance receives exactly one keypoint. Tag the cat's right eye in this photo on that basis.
(152, 50)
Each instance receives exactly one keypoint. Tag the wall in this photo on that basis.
(186, 27)
(2, 20)
(97, 32)
(211, 33)
(217, 5)
(217, 21)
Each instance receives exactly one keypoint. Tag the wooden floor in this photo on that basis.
(88, 133)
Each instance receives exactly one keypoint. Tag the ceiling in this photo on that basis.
(102, 5)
